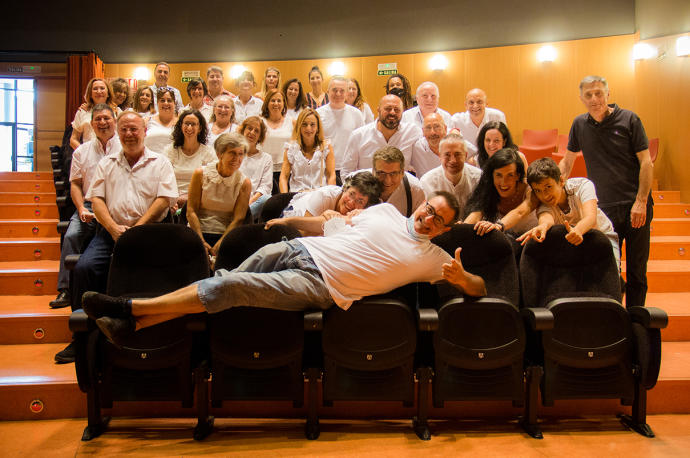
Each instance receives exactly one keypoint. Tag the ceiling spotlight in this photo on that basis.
(546, 53)
(644, 51)
(336, 68)
(237, 70)
(142, 74)
(438, 62)
(683, 46)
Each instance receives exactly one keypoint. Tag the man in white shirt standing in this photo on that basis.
(477, 114)
(339, 119)
(453, 175)
(214, 81)
(387, 130)
(162, 74)
(398, 187)
(427, 97)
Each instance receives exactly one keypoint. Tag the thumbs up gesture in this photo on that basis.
(573, 236)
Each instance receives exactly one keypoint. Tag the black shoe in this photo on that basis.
(117, 330)
(67, 355)
(97, 305)
(62, 300)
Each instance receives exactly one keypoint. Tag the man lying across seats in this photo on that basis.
(377, 251)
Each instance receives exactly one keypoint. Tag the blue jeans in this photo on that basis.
(76, 238)
(91, 272)
(279, 276)
(256, 206)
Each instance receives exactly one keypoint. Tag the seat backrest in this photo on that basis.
(534, 137)
(489, 256)
(274, 206)
(155, 259)
(245, 240)
(562, 144)
(555, 268)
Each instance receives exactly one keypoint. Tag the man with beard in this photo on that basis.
(387, 130)
(453, 175)
(477, 114)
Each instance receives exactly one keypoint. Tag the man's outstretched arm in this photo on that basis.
(468, 283)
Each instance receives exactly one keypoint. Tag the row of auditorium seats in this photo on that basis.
(573, 338)
(61, 161)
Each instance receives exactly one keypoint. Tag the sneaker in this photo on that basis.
(62, 300)
(67, 355)
(97, 305)
(117, 330)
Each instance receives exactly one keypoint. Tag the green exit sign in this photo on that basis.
(389, 68)
(386, 72)
(187, 79)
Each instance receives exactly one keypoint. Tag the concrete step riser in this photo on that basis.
(27, 197)
(27, 186)
(28, 211)
(28, 283)
(29, 229)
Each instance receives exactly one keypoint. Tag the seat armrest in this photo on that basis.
(79, 322)
(427, 320)
(61, 201)
(649, 317)
(313, 321)
(538, 318)
(60, 185)
(71, 261)
(62, 227)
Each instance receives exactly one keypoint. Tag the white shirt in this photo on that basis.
(184, 166)
(399, 197)
(436, 180)
(178, 97)
(205, 110)
(414, 116)
(213, 137)
(315, 202)
(306, 174)
(275, 141)
(130, 191)
(366, 140)
(469, 131)
(82, 123)
(158, 137)
(375, 255)
(368, 114)
(259, 169)
(292, 113)
(245, 110)
(423, 158)
(338, 125)
(86, 158)
(218, 197)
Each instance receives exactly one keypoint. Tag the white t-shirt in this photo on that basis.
(86, 158)
(306, 174)
(366, 140)
(375, 255)
(259, 169)
(129, 191)
(315, 202)
(292, 113)
(463, 122)
(338, 126)
(414, 116)
(184, 166)
(423, 159)
(212, 137)
(245, 110)
(158, 137)
(275, 141)
(436, 180)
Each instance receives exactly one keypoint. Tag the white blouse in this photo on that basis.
(212, 137)
(158, 137)
(185, 165)
(274, 143)
(306, 174)
(218, 197)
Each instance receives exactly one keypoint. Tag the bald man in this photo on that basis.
(428, 97)
(477, 114)
(388, 130)
(425, 152)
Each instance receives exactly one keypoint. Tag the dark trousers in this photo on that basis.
(91, 272)
(636, 250)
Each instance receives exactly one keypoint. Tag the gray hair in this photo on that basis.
(336, 78)
(388, 154)
(589, 79)
(214, 68)
(428, 83)
(102, 107)
(230, 141)
(453, 137)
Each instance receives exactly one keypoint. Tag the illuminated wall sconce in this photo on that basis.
(237, 70)
(142, 74)
(438, 62)
(644, 51)
(336, 68)
(546, 53)
(683, 46)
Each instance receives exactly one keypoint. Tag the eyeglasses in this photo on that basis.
(382, 175)
(431, 211)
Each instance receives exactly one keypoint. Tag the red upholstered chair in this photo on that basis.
(579, 169)
(653, 148)
(538, 143)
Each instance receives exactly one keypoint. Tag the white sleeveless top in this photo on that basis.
(158, 137)
(184, 166)
(212, 137)
(306, 173)
(218, 197)
(274, 143)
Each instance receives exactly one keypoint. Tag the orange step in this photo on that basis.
(21, 278)
(667, 276)
(668, 197)
(668, 247)
(28, 176)
(27, 197)
(670, 226)
(677, 306)
(27, 186)
(30, 320)
(27, 211)
(28, 228)
(37, 249)
(679, 210)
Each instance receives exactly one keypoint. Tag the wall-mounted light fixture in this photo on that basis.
(644, 51)
(237, 70)
(546, 53)
(438, 62)
(142, 74)
(336, 68)
(683, 46)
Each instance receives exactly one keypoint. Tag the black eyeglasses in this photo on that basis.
(437, 220)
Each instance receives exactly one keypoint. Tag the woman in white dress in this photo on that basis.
(97, 91)
(188, 150)
(294, 97)
(354, 98)
(159, 127)
(308, 161)
(197, 90)
(257, 165)
(222, 120)
(219, 193)
(278, 130)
